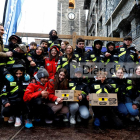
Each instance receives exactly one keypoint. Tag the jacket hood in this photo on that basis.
(97, 41)
(131, 46)
(108, 44)
(19, 41)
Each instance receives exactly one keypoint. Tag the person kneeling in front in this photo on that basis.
(36, 96)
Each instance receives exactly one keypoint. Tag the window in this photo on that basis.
(71, 4)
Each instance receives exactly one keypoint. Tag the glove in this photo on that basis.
(27, 77)
(9, 77)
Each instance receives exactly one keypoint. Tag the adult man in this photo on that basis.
(54, 39)
(2, 56)
(44, 44)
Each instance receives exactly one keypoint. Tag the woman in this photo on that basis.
(63, 46)
(36, 60)
(52, 60)
(12, 95)
(125, 92)
(59, 82)
(67, 60)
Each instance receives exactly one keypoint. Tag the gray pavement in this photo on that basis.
(65, 131)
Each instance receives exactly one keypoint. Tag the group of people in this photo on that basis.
(31, 74)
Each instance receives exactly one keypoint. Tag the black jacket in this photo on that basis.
(99, 87)
(13, 90)
(113, 57)
(17, 58)
(119, 87)
(136, 91)
(96, 56)
(80, 54)
(64, 63)
(39, 60)
(79, 84)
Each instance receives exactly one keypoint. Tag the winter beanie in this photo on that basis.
(42, 72)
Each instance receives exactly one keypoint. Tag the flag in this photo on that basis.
(12, 18)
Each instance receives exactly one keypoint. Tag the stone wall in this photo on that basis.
(121, 15)
(68, 26)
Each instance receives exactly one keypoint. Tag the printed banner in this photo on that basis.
(13, 12)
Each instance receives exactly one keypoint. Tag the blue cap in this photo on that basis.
(79, 70)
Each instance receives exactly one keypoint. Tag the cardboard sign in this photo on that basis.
(103, 99)
(68, 95)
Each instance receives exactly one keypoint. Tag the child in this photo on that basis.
(12, 95)
(36, 96)
(103, 114)
(33, 46)
(78, 83)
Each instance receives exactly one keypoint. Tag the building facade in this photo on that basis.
(114, 18)
(71, 17)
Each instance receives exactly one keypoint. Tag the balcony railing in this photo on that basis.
(134, 34)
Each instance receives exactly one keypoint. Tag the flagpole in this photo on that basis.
(4, 14)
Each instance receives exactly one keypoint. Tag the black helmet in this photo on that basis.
(15, 37)
(110, 43)
(15, 66)
(21, 64)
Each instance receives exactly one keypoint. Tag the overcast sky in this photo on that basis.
(2, 2)
(38, 16)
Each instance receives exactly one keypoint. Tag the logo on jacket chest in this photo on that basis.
(64, 59)
(39, 89)
(77, 55)
(12, 84)
(122, 49)
(97, 86)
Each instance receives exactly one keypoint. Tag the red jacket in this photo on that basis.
(50, 66)
(34, 90)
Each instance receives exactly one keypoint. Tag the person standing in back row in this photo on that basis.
(53, 39)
